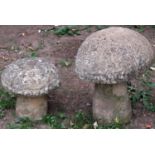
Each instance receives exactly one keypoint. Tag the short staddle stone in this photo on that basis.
(30, 79)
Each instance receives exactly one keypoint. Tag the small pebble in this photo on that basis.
(39, 31)
(88, 104)
(23, 34)
(95, 125)
(152, 68)
(148, 126)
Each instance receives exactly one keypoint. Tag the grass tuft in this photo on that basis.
(21, 123)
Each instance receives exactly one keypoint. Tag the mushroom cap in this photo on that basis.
(113, 55)
(30, 76)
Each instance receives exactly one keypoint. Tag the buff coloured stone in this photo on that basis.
(113, 55)
(109, 58)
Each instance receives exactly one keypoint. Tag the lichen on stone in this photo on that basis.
(113, 55)
(30, 76)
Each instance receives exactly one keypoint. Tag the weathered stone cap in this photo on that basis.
(30, 76)
(113, 55)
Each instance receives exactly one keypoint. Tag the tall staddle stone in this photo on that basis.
(110, 58)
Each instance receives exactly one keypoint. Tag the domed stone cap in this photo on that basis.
(113, 55)
(30, 76)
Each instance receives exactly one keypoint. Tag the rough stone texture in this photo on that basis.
(113, 55)
(30, 76)
(32, 107)
(111, 103)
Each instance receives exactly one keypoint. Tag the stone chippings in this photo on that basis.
(30, 76)
(113, 55)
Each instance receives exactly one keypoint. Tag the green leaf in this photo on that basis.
(150, 84)
(65, 63)
(33, 54)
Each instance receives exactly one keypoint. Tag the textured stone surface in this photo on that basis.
(111, 104)
(30, 76)
(32, 107)
(113, 55)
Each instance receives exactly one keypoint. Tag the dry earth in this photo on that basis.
(74, 94)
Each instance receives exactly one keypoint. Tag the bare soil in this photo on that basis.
(74, 94)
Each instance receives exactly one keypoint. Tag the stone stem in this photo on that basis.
(32, 107)
(111, 103)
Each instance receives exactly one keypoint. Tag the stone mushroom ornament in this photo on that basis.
(30, 79)
(110, 58)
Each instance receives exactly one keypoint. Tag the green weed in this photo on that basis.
(140, 28)
(143, 96)
(135, 95)
(7, 101)
(66, 30)
(147, 95)
(65, 62)
(2, 113)
(100, 27)
(54, 121)
(33, 55)
(81, 120)
(21, 123)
